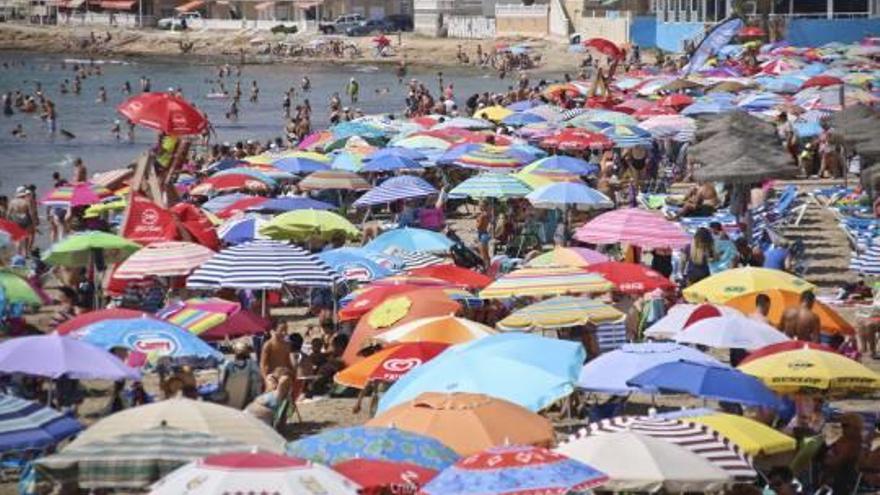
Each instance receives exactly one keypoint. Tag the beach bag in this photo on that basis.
(465, 257)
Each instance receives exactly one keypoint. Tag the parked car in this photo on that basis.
(401, 22)
(180, 21)
(341, 24)
(372, 26)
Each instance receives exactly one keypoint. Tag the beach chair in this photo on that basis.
(237, 389)
(803, 465)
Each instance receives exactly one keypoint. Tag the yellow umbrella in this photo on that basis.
(537, 179)
(494, 113)
(721, 287)
(811, 370)
(99, 209)
(752, 437)
(301, 224)
(551, 281)
(560, 312)
(308, 155)
(260, 159)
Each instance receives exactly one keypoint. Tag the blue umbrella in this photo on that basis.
(396, 188)
(521, 119)
(349, 129)
(221, 202)
(708, 381)
(347, 161)
(454, 153)
(387, 261)
(525, 369)
(397, 151)
(389, 162)
(289, 203)
(26, 425)
(708, 107)
(372, 443)
(251, 172)
(241, 230)
(149, 336)
(565, 163)
(610, 372)
(353, 267)
(807, 129)
(781, 84)
(225, 164)
(410, 239)
(569, 194)
(521, 106)
(299, 165)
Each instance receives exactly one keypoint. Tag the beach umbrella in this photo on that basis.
(214, 318)
(757, 102)
(255, 472)
(387, 261)
(812, 370)
(454, 274)
(628, 136)
(545, 281)
(347, 161)
(263, 173)
(81, 194)
(708, 107)
(515, 470)
(240, 230)
(821, 81)
(16, 290)
(423, 142)
(149, 336)
(631, 278)
(389, 162)
(708, 381)
(465, 123)
(389, 364)
(611, 372)
(676, 100)
(677, 127)
(411, 240)
(522, 105)
(468, 423)
(238, 207)
(531, 371)
(635, 227)
(565, 195)
(552, 113)
(165, 113)
(495, 113)
(781, 84)
(446, 329)
(653, 111)
(491, 185)
(679, 85)
(726, 285)
(218, 184)
(397, 151)
(486, 157)
(730, 332)
(90, 317)
(682, 315)
(53, 356)
(336, 445)
(521, 119)
(396, 188)
(606, 117)
(365, 299)
(632, 105)
(82, 249)
(568, 256)
(562, 163)
(537, 179)
(559, 312)
(301, 225)
(164, 259)
(12, 230)
(575, 139)
(354, 267)
(30, 426)
(375, 476)
(220, 203)
(187, 415)
(144, 457)
(333, 179)
(364, 130)
(699, 439)
(267, 265)
(284, 204)
(753, 437)
(788, 345)
(637, 462)
(298, 164)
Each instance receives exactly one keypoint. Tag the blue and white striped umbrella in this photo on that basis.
(26, 425)
(389, 162)
(262, 265)
(289, 203)
(239, 230)
(396, 188)
(396, 151)
(867, 263)
(565, 163)
(628, 136)
(521, 119)
(299, 165)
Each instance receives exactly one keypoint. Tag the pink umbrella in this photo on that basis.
(634, 227)
(81, 194)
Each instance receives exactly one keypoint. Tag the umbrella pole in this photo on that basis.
(263, 304)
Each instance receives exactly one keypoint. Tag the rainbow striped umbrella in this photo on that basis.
(488, 156)
(550, 281)
(213, 318)
(635, 227)
(628, 136)
(560, 312)
(491, 185)
(82, 194)
(603, 116)
(164, 259)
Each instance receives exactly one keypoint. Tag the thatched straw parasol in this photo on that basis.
(746, 169)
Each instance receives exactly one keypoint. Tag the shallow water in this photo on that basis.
(32, 160)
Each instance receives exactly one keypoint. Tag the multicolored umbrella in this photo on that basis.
(29, 426)
(410, 239)
(257, 472)
(568, 256)
(753, 437)
(362, 300)
(550, 281)
(301, 225)
(634, 227)
(728, 284)
(446, 329)
(81, 194)
(214, 318)
(606, 117)
(164, 259)
(559, 312)
(354, 267)
(811, 370)
(628, 136)
(85, 319)
(575, 139)
(337, 445)
(491, 185)
(454, 274)
(515, 470)
(389, 364)
(79, 249)
(53, 356)
(491, 157)
(153, 338)
(788, 345)
(333, 179)
(232, 182)
(378, 477)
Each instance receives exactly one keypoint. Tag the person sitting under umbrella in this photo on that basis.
(701, 201)
(267, 405)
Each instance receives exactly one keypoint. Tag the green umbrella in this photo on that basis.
(299, 225)
(77, 249)
(17, 290)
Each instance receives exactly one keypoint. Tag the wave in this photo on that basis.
(86, 61)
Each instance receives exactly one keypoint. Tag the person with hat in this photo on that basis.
(23, 212)
(241, 368)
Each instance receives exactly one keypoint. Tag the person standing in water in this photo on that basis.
(255, 91)
(306, 84)
(102, 95)
(353, 89)
(80, 173)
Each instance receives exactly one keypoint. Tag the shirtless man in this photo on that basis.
(24, 214)
(700, 201)
(800, 322)
(276, 352)
(484, 223)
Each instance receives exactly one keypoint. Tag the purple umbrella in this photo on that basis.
(53, 356)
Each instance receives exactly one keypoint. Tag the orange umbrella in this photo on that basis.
(830, 320)
(468, 423)
(388, 365)
(447, 329)
(396, 310)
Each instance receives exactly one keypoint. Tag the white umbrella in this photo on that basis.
(253, 473)
(637, 462)
(669, 326)
(731, 332)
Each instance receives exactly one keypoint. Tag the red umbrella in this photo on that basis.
(377, 477)
(822, 81)
(632, 106)
(604, 47)
(240, 324)
(653, 111)
(791, 345)
(86, 319)
(454, 274)
(412, 280)
(631, 278)
(15, 232)
(241, 205)
(228, 182)
(751, 32)
(702, 312)
(164, 112)
(676, 100)
(577, 139)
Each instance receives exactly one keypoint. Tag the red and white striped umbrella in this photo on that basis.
(634, 227)
(164, 259)
(253, 473)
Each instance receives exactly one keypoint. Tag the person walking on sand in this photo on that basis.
(353, 89)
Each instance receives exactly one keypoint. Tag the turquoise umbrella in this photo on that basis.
(491, 185)
(525, 369)
(410, 240)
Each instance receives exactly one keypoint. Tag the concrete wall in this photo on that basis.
(614, 29)
(816, 32)
(560, 22)
(516, 19)
(470, 27)
(643, 31)
(671, 35)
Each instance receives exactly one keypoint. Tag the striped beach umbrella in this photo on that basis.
(549, 281)
(635, 227)
(26, 425)
(239, 230)
(262, 265)
(560, 312)
(81, 194)
(396, 188)
(568, 256)
(413, 260)
(491, 157)
(164, 259)
(628, 136)
(334, 179)
(491, 185)
(603, 116)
